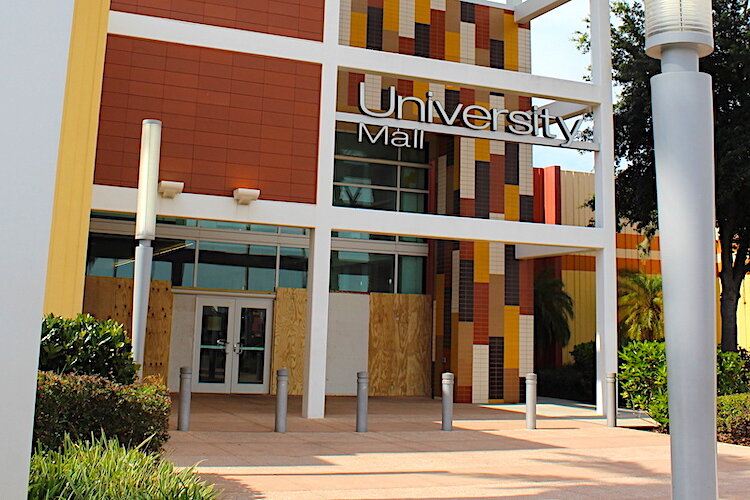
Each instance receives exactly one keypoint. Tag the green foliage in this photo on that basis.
(732, 373)
(103, 469)
(640, 306)
(584, 356)
(576, 381)
(643, 377)
(86, 405)
(553, 309)
(86, 346)
(733, 418)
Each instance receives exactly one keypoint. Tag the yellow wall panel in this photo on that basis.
(482, 149)
(511, 342)
(482, 261)
(390, 15)
(581, 286)
(422, 11)
(357, 37)
(452, 46)
(66, 266)
(511, 202)
(510, 29)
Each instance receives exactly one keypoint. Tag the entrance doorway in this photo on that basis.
(232, 345)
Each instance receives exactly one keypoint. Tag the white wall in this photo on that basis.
(183, 337)
(348, 334)
(35, 36)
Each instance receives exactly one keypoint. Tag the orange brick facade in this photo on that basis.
(295, 18)
(229, 120)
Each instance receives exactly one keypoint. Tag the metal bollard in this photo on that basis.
(362, 394)
(531, 400)
(611, 408)
(282, 391)
(447, 401)
(186, 390)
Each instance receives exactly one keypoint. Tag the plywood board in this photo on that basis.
(112, 298)
(399, 344)
(289, 331)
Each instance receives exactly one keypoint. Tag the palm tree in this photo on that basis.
(640, 306)
(553, 309)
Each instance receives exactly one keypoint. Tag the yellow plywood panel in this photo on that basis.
(289, 332)
(575, 189)
(358, 34)
(112, 298)
(743, 317)
(482, 261)
(390, 15)
(510, 34)
(511, 202)
(399, 350)
(75, 167)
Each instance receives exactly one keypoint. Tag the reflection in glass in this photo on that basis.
(232, 266)
(364, 197)
(413, 202)
(213, 357)
(411, 274)
(348, 145)
(362, 272)
(369, 174)
(293, 267)
(413, 178)
(251, 346)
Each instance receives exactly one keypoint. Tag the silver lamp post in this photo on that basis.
(145, 232)
(679, 32)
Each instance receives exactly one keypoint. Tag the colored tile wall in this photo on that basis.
(449, 30)
(295, 18)
(229, 119)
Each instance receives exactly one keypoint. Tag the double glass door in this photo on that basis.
(232, 345)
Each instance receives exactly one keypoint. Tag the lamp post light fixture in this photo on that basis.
(679, 32)
(145, 232)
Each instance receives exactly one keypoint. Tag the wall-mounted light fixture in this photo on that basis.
(243, 196)
(170, 189)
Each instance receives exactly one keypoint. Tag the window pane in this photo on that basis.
(415, 155)
(174, 260)
(411, 239)
(293, 267)
(293, 230)
(357, 172)
(231, 266)
(363, 197)
(113, 255)
(362, 236)
(413, 202)
(413, 178)
(411, 274)
(176, 221)
(238, 226)
(361, 272)
(95, 214)
(348, 145)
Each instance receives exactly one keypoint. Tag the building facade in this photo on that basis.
(398, 225)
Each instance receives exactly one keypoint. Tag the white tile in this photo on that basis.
(373, 86)
(497, 147)
(406, 18)
(437, 4)
(497, 258)
(480, 380)
(345, 21)
(468, 43)
(468, 170)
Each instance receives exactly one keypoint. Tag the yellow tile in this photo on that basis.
(422, 11)
(390, 15)
(511, 202)
(481, 262)
(420, 89)
(452, 47)
(482, 149)
(511, 343)
(359, 30)
(510, 29)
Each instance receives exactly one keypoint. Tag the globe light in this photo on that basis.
(678, 21)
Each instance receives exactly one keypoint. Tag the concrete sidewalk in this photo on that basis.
(489, 455)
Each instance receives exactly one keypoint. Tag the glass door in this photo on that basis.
(232, 345)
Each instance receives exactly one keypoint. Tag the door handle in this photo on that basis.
(236, 348)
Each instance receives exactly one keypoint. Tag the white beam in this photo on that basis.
(566, 109)
(538, 251)
(531, 9)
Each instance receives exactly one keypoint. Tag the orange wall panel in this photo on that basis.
(295, 18)
(229, 120)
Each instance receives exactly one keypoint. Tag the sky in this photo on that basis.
(554, 54)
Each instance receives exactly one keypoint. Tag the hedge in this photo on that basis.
(733, 418)
(85, 405)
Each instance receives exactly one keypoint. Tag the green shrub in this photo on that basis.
(584, 356)
(82, 405)
(643, 379)
(733, 418)
(86, 346)
(103, 469)
(731, 373)
(576, 381)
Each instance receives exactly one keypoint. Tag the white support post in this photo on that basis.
(316, 342)
(606, 258)
(35, 37)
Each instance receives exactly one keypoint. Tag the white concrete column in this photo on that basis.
(35, 36)
(604, 162)
(316, 341)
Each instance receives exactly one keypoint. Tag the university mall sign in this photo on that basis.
(536, 122)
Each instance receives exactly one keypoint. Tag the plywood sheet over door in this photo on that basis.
(106, 298)
(289, 330)
(399, 345)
